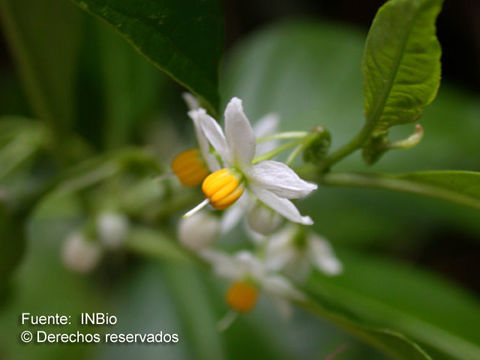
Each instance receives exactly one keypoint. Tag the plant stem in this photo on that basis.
(278, 150)
(390, 182)
(283, 135)
(350, 147)
(293, 155)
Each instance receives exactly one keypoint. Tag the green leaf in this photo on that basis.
(130, 83)
(461, 187)
(390, 342)
(440, 317)
(44, 38)
(401, 68)
(182, 38)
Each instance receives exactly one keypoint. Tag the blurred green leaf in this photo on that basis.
(42, 285)
(442, 318)
(196, 311)
(44, 38)
(130, 83)
(390, 342)
(154, 243)
(12, 243)
(401, 68)
(461, 187)
(182, 38)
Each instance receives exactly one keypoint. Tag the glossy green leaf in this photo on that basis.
(182, 38)
(44, 38)
(401, 68)
(462, 187)
(441, 317)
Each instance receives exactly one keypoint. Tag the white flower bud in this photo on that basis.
(263, 220)
(79, 254)
(198, 231)
(112, 229)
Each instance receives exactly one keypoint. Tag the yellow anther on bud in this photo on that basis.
(189, 167)
(222, 188)
(242, 296)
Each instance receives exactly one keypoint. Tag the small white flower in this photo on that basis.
(245, 267)
(272, 182)
(80, 254)
(295, 253)
(267, 125)
(112, 229)
(199, 231)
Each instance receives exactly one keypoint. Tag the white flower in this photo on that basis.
(272, 182)
(267, 125)
(295, 253)
(112, 229)
(80, 254)
(245, 267)
(199, 231)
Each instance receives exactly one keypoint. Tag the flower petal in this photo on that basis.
(279, 250)
(279, 179)
(267, 125)
(202, 140)
(277, 285)
(234, 214)
(191, 101)
(323, 256)
(213, 132)
(281, 205)
(223, 264)
(239, 133)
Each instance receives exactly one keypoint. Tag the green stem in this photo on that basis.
(352, 146)
(154, 243)
(283, 135)
(271, 154)
(293, 155)
(390, 182)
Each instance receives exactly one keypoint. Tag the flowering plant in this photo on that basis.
(246, 221)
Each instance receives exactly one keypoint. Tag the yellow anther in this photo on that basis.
(242, 296)
(189, 167)
(222, 188)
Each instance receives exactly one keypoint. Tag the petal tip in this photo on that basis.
(307, 220)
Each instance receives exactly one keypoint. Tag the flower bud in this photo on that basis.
(198, 231)
(242, 296)
(263, 220)
(318, 147)
(222, 188)
(112, 229)
(79, 254)
(189, 167)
